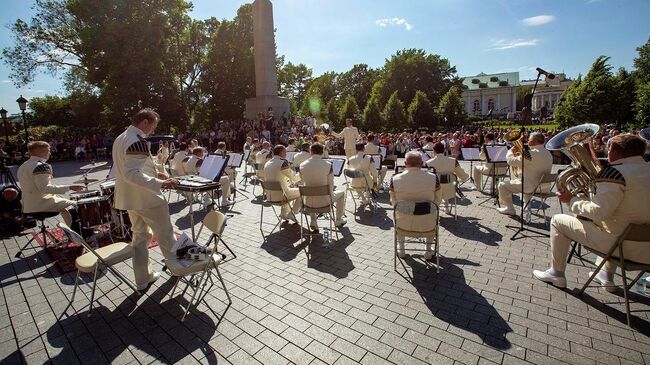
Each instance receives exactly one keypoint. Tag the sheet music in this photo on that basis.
(382, 151)
(247, 153)
(337, 165)
(235, 159)
(472, 153)
(496, 153)
(291, 155)
(213, 166)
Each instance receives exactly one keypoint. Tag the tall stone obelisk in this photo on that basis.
(266, 80)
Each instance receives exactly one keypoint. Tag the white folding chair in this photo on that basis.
(543, 190)
(94, 258)
(448, 183)
(204, 269)
(216, 221)
(270, 189)
(307, 192)
(354, 174)
(422, 209)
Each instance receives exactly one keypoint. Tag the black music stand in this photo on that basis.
(472, 154)
(527, 115)
(493, 159)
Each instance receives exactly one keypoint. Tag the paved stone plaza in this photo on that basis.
(343, 305)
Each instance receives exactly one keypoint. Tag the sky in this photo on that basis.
(476, 36)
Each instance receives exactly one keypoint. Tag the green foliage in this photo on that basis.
(294, 81)
(420, 112)
(642, 62)
(350, 109)
(452, 108)
(333, 113)
(624, 93)
(410, 70)
(358, 83)
(642, 105)
(521, 93)
(293, 106)
(325, 86)
(394, 115)
(372, 118)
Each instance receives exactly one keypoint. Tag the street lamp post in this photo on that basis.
(3, 114)
(22, 104)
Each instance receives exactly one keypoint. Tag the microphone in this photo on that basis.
(548, 75)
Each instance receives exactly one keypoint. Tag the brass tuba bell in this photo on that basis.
(574, 142)
(517, 139)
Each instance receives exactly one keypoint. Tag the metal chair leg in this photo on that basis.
(174, 288)
(92, 295)
(625, 289)
(76, 284)
(223, 284)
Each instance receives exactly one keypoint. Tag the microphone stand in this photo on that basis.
(526, 118)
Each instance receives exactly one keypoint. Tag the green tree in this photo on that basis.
(642, 62)
(420, 112)
(294, 81)
(324, 85)
(452, 108)
(333, 112)
(410, 70)
(350, 109)
(642, 105)
(624, 93)
(394, 115)
(358, 83)
(591, 99)
(372, 118)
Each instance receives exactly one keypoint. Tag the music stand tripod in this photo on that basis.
(494, 193)
(6, 177)
(527, 116)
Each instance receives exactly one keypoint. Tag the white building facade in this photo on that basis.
(496, 92)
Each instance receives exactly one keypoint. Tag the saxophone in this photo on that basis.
(578, 179)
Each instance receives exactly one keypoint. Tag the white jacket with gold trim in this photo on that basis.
(38, 192)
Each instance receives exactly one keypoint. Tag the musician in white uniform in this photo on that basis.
(278, 169)
(446, 165)
(373, 149)
(229, 170)
(138, 190)
(622, 197)
(365, 164)
(262, 157)
(414, 185)
(486, 169)
(193, 166)
(291, 147)
(318, 172)
(301, 156)
(176, 163)
(537, 161)
(349, 135)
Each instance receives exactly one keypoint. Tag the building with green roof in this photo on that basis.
(496, 92)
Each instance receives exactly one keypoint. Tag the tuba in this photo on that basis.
(578, 179)
(322, 136)
(517, 139)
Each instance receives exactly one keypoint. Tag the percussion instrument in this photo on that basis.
(83, 194)
(107, 187)
(94, 211)
(93, 165)
(85, 181)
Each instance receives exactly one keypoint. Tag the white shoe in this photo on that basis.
(154, 276)
(428, 255)
(341, 222)
(602, 279)
(545, 276)
(401, 252)
(507, 211)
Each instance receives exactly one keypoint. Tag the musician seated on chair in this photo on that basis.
(537, 161)
(176, 162)
(446, 165)
(291, 146)
(38, 192)
(428, 146)
(414, 185)
(301, 156)
(318, 172)
(262, 156)
(487, 169)
(622, 197)
(366, 165)
(193, 166)
(228, 170)
(373, 149)
(278, 169)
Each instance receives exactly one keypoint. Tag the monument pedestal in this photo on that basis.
(259, 104)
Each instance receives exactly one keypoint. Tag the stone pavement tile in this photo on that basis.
(296, 337)
(37, 358)
(431, 357)
(248, 343)
(368, 329)
(296, 355)
(345, 332)
(374, 346)
(398, 357)
(322, 335)
(372, 359)
(269, 356)
(325, 353)
(602, 350)
(397, 343)
(241, 357)
(348, 349)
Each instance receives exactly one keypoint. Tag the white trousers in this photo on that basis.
(293, 195)
(506, 189)
(477, 174)
(143, 222)
(338, 198)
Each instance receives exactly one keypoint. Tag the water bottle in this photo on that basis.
(527, 216)
(640, 285)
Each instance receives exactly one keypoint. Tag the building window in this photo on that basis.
(490, 104)
(477, 106)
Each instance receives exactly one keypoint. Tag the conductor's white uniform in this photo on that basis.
(349, 135)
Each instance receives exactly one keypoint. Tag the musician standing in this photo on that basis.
(349, 135)
(278, 169)
(622, 197)
(138, 191)
(537, 161)
(414, 185)
(318, 172)
(365, 165)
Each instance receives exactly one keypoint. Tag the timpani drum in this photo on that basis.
(94, 211)
(83, 194)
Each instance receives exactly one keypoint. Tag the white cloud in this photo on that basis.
(394, 21)
(498, 44)
(538, 20)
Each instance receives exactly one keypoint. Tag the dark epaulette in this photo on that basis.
(285, 164)
(138, 148)
(43, 168)
(611, 175)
